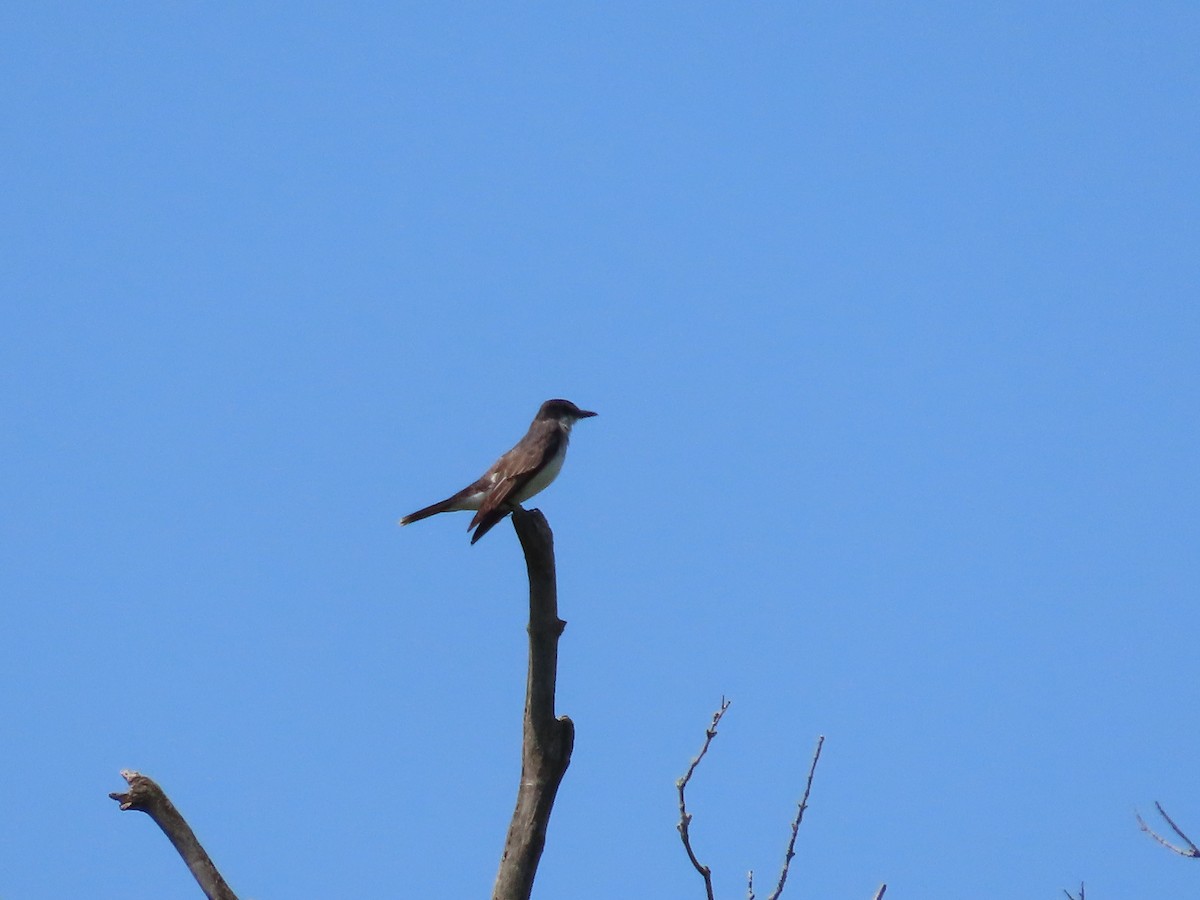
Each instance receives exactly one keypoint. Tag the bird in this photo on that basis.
(526, 469)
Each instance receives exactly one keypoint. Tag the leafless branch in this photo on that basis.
(547, 740)
(1191, 851)
(685, 818)
(791, 847)
(146, 796)
(879, 893)
(1071, 896)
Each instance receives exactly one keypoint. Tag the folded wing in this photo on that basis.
(520, 465)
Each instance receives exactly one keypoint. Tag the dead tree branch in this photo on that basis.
(1191, 851)
(685, 818)
(791, 847)
(547, 740)
(1071, 896)
(146, 796)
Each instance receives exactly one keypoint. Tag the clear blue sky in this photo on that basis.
(891, 317)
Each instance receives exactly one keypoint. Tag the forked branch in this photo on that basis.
(146, 796)
(1191, 851)
(685, 818)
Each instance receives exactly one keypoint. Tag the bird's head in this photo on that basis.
(563, 411)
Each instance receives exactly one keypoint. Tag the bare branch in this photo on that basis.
(791, 847)
(146, 796)
(1071, 896)
(547, 740)
(879, 893)
(685, 818)
(1191, 851)
(750, 885)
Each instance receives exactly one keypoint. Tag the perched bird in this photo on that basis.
(523, 471)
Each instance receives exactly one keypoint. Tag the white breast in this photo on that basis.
(542, 479)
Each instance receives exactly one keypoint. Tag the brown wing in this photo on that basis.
(519, 465)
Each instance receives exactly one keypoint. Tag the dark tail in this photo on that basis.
(441, 506)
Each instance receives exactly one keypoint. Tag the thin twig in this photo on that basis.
(879, 893)
(1192, 851)
(1071, 896)
(750, 885)
(685, 818)
(791, 847)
